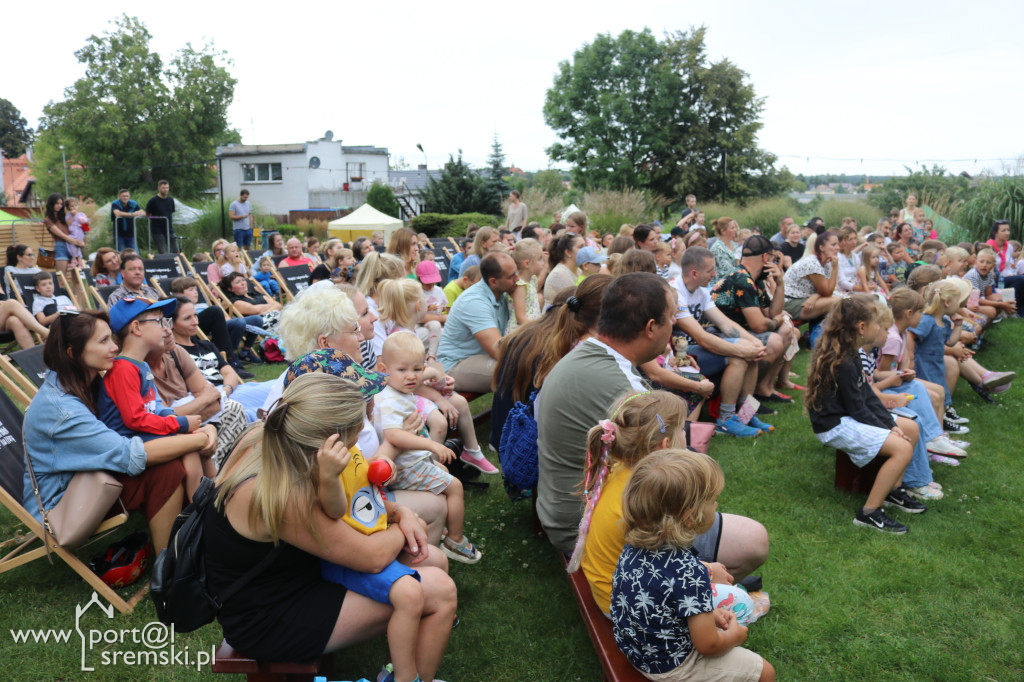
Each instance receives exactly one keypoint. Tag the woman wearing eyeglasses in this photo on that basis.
(214, 271)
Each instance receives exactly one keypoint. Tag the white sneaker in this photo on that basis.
(941, 445)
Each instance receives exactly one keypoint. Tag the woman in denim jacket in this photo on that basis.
(63, 435)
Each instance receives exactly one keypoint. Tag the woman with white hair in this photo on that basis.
(325, 317)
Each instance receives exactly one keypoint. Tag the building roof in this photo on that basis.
(254, 149)
(296, 148)
(364, 149)
(414, 180)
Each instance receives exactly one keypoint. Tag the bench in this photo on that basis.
(856, 479)
(614, 663)
(231, 662)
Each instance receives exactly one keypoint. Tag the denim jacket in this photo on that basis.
(62, 436)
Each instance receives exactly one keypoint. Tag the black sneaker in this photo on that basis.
(244, 374)
(954, 428)
(880, 522)
(901, 499)
(247, 356)
(955, 418)
(766, 411)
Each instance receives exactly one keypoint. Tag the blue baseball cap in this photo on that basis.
(127, 309)
(588, 254)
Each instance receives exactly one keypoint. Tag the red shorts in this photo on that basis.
(150, 490)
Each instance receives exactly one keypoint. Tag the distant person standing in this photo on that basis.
(160, 210)
(240, 212)
(517, 214)
(691, 206)
(123, 212)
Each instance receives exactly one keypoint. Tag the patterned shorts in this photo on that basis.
(422, 475)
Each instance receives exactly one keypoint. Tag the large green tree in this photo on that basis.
(459, 189)
(131, 120)
(633, 111)
(15, 135)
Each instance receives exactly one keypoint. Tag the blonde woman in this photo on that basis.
(485, 238)
(374, 269)
(220, 259)
(724, 248)
(268, 494)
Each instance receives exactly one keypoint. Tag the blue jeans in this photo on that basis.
(236, 328)
(919, 471)
(126, 242)
(243, 238)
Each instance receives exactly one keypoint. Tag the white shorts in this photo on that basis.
(860, 441)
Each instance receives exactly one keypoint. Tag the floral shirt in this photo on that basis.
(653, 593)
(738, 291)
(725, 259)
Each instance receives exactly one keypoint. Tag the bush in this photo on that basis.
(765, 213)
(447, 225)
(1001, 199)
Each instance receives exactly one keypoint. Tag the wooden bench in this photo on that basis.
(231, 662)
(853, 478)
(614, 663)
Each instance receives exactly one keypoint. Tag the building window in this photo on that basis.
(356, 170)
(261, 172)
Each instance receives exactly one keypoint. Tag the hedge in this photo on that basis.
(446, 225)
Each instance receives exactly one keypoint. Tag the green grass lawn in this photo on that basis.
(847, 603)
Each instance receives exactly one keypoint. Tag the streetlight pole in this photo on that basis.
(64, 162)
(425, 163)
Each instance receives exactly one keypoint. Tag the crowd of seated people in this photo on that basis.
(592, 330)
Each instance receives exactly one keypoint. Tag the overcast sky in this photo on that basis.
(892, 83)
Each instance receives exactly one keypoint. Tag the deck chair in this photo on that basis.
(277, 259)
(162, 267)
(293, 279)
(15, 551)
(254, 255)
(101, 294)
(30, 360)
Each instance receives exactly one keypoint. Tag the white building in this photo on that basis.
(323, 173)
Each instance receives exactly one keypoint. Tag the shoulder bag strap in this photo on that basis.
(39, 501)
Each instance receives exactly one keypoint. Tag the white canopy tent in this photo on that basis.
(362, 222)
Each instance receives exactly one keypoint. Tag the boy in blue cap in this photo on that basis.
(128, 401)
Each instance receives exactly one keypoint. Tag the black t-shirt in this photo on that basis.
(208, 359)
(159, 206)
(794, 252)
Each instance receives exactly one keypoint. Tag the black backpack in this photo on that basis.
(178, 586)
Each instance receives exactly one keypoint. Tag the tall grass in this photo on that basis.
(766, 213)
(607, 210)
(833, 212)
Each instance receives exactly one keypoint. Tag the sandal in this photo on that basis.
(464, 552)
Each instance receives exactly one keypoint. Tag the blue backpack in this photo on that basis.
(518, 448)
